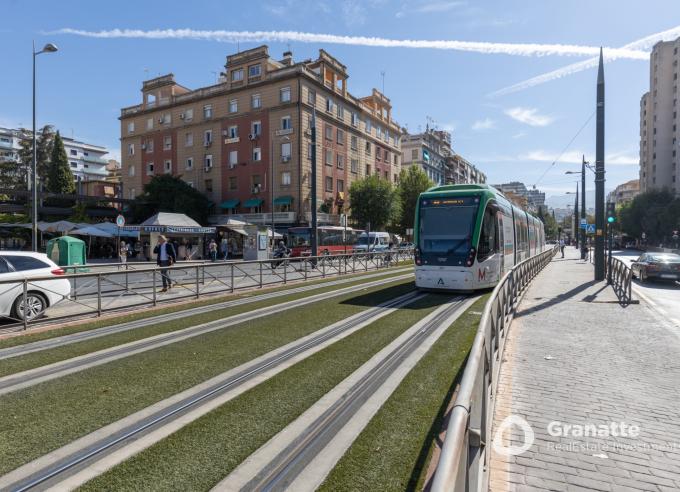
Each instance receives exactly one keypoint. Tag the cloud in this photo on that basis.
(641, 44)
(528, 116)
(575, 156)
(485, 124)
(353, 13)
(519, 135)
(429, 7)
(514, 49)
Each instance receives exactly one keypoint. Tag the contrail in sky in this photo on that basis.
(516, 49)
(640, 44)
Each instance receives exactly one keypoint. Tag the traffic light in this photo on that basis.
(611, 212)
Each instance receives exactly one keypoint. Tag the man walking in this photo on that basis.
(165, 257)
(562, 247)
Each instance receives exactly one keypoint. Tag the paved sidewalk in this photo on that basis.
(576, 357)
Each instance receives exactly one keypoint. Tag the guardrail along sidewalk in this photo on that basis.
(588, 391)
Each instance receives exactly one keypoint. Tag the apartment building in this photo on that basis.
(460, 170)
(624, 193)
(86, 160)
(533, 197)
(233, 140)
(10, 144)
(659, 132)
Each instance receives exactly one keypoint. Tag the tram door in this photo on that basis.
(489, 257)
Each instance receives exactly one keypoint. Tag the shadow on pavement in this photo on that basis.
(556, 300)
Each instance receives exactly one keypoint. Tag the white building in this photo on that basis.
(429, 150)
(86, 160)
(10, 144)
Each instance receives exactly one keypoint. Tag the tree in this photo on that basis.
(59, 176)
(654, 212)
(44, 139)
(167, 193)
(373, 201)
(412, 182)
(549, 222)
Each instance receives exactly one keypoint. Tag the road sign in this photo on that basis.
(584, 222)
(590, 228)
(120, 221)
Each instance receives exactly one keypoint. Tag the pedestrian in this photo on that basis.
(123, 253)
(562, 247)
(212, 250)
(165, 257)
(224, 248)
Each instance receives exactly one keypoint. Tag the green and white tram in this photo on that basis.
(468, 236)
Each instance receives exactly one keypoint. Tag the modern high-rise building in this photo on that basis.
(659, 132)
(232, 140)
(535, 198)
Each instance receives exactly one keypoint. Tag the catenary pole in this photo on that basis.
(599, 175)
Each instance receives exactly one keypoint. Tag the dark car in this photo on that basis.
(658, 266)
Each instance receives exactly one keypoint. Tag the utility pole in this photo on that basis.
(599, 175)
(313, 178)
(583, 207)
(576, 235)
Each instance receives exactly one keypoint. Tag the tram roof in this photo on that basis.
(464, 187)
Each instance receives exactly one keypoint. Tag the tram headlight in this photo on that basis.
(471, 257)
(416, 256)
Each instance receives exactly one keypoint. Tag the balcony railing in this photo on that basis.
(259, 219)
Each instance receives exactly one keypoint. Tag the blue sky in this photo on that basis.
(512, 136)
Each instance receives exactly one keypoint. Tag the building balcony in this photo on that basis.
(323, 219)
(258, 219)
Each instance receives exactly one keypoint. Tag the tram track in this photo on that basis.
(87, 457)
(25, 379)
(50, 343)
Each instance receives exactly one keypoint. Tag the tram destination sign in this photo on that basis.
(450, 201)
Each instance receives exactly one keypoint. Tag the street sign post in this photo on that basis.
(120, 222)
(590, 228)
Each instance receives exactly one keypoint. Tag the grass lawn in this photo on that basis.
(393, 451)
(29, 336)
(41, 418)
(44, 357)
(202, 453)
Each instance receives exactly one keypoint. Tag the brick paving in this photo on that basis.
(575, 356)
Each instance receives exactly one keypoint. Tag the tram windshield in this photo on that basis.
(446, 225)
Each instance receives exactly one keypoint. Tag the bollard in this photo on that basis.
(285, 270)
(126, 278)
(99, 294)
(75, 288)
(323, 269)
(25, 305)
(153, 276)
(232, 278)
(260, 275)
(197, 287)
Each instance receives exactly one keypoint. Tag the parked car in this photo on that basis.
(659, 266)
(41, 294)
(374, 241)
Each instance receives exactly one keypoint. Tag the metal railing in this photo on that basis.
(464, 460)
(621, 279)
(121, 286)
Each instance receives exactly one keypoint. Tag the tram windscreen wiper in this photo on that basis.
(459, 243)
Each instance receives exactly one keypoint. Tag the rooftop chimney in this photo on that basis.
(287, 58)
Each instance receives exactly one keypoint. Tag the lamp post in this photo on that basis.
(48, 48)
(271, 158)
(584, 164)
(575, 231)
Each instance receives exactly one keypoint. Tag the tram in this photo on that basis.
(467, 236)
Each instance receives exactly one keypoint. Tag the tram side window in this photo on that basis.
(488, 239)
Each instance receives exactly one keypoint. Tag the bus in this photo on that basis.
(330, 240)
(468, 236)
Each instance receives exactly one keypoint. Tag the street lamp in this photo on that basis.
(584, 164)
(575, 231)
(48, 48)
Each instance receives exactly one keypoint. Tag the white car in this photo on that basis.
(40, 294)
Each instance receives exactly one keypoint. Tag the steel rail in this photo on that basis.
(31, 377)
(287, 465)
(464, 460)
(164, 416)
(51, 343)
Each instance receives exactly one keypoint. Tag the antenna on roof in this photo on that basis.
(382, 73)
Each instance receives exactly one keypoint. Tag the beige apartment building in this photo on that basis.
(624, 193)
(230, 139)
(659, 132)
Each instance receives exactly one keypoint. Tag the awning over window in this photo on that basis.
(227, 204)
(253, 202)
(283, 200)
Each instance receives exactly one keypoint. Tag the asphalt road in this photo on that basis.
(664, 297)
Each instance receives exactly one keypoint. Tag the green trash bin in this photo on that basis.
(68, 251)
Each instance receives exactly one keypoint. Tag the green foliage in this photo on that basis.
(168, 193)
(79, 213)
(549, 222)
(59, 176)
(373, 200)
(655, 212)
(44, 140)
(412, 182)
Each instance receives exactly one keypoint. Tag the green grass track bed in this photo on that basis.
(46, 416)
(205, 451)
(44, 357)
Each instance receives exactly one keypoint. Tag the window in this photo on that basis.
(341, 186)
(309, 151)
(149, 169)
(189, 163)
(284, 94)
(237, 75)
(329, 183)
(149, 145)
(378, 153)
(257, 154)
(167, 142)
(233, 158)
(133, 194)
(368, 170)
(311, 97)
(341, 111)
(285, 178)
(23, 263)
(208, 162)
(131, 127)
(188, 139)
(256, 128)
(233, 183)
(232, 132)
(414, 155)
(207, 138)
(368, 148)
(355, 119)
(286, 123)
(329, 157)
(329, 132)
(254, 71)
(341, 161)
(387, 176)
(396, 160)
(131, 171)
(368, 126)
(167, 166)
(378, 132)
(149, 124)
(74, 152)
(167, 118)
(189, 114)
(285, 151)
(74, 164)
(207, 112)
(208, 185)
(329, 104)
(233, 106)
(354, 165)
(131, 149)
(387, 156)
(341, 137)
(354, 142)
(255, 101)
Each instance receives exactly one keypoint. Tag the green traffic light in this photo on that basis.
(610, 219)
